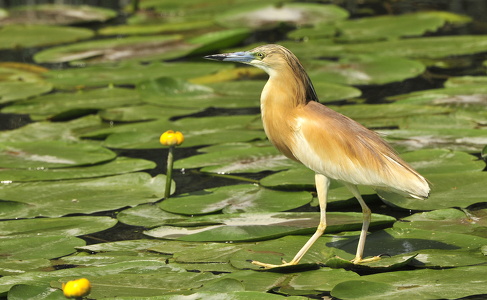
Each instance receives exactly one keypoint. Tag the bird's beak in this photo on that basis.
(241, 57)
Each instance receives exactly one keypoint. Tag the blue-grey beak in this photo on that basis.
(242, 57)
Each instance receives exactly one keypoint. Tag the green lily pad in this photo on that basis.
(51, 154)
(434, 258)
(395, 241)
(41, 277)
(58, 198)
(419, 284)
(470, 140)
(25, 36)
(136, 246)
(463, 95)
(437, 161)
(363, 70)
(144, 113)
(448, 190)
(284, 248)
(16, 84)
(147, 215)
(235, 199)
(42, 131)
(383, 264)
(33, 247)
(65, 105)
(19, 266)
(448, 220)
(26, 291)
(256, 159)
(141, 29)
(52, 14)
(259, 226)
(319, 31)
(110, 50)
(435, 47)
(234, 295)
(99, 76)
(119, 165)
(464, 80)
(329, 91)
(197, 132)
(140, 48)
(148, 284)
(390, 26)
(67, 226)
(268, 16)
(170, 92)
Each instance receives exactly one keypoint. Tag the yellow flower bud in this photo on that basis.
(77, 288)
(171, 138)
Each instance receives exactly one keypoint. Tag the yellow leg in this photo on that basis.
(365, 226)
(322, 184)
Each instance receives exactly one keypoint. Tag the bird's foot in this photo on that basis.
(360, 260)
(271, 266)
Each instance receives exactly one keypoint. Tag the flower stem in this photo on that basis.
(170, 159)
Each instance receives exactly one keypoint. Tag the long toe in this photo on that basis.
(359, 260)
(271, 266)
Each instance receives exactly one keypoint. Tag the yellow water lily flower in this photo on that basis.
(172, 138)
(77, 288)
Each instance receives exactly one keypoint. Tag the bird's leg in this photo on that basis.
(365, 226)
(322, 184)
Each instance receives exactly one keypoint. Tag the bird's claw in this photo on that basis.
(360, 260)
(271, 266)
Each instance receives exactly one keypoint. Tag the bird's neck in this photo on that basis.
(279, 100)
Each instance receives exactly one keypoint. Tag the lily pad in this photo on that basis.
(142, 29)
(457, 96)
(51, 154)
(119, 165)
(42, 131)
(470, 140)
(58, 198)
(256, 159)
(140, 48)
(17, 84)
(390, 26)
(437, 161)
(197, 131)
(148, 215)
(65, 105)
(25, 36)
(267, 16)
(396, 241)
(435, 47)
(259, 226)
(34, 247)
(99, 76)
(144, 113)
(67, 226)
(235, 199)
(19, 266)
(448, 220)
(420, 284)
(449, 190)
(52, 14)
(42, 277)
(363, 70)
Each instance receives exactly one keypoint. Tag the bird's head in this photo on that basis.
(269, 58)
(273, 59)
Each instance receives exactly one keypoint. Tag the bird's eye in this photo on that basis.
(260, 55)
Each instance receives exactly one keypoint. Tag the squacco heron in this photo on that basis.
(329, 143)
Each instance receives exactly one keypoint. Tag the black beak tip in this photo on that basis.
(214, 57)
